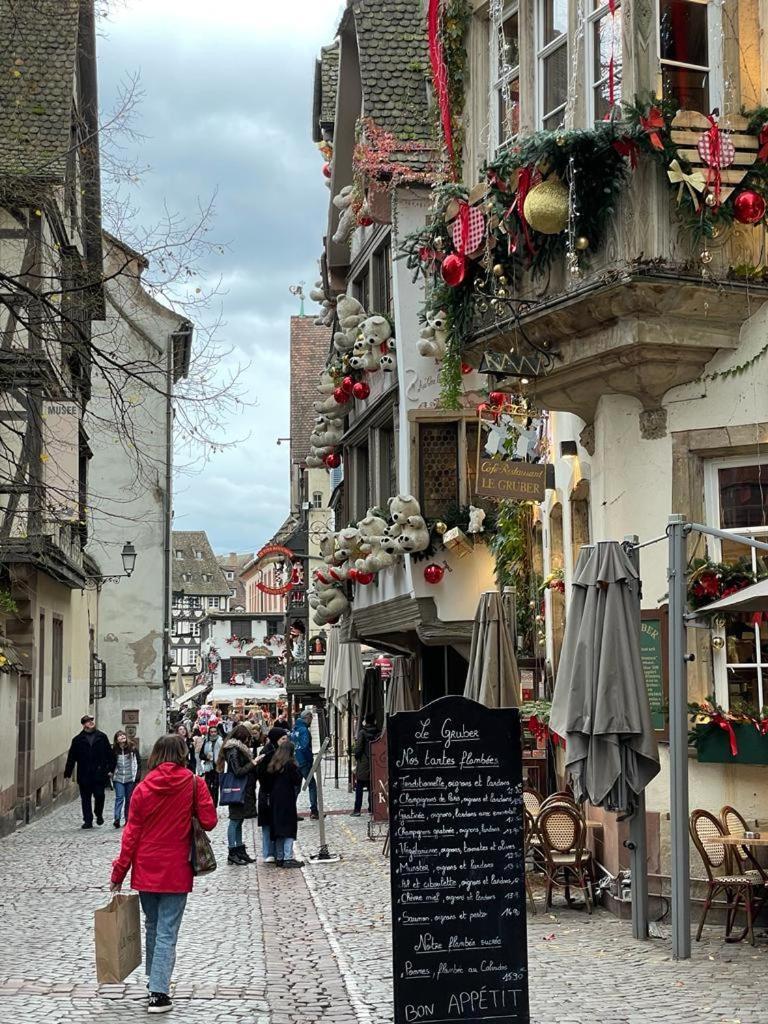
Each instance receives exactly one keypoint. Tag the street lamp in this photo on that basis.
(128, 555)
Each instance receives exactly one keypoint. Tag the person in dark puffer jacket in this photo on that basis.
(237, 757)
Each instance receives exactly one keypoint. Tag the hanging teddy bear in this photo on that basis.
(434, 336)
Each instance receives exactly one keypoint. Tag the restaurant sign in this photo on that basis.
(511, 480)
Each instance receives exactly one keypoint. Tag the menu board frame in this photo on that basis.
(658, 618)
(457, 864)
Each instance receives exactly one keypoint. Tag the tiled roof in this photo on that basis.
(329, 81)
(309, 354)
(394, 63)
(38, 50)
(188, 572)
(235, 563)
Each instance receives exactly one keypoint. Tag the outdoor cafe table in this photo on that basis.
(742, 840)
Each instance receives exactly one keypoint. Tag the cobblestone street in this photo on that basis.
(267, 947)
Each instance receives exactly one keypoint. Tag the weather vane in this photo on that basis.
(298, 291)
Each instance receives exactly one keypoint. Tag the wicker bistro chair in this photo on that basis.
(744, 861)
(706, 831)
(532, 843)
(532, 800)
(560, 800)
(563, 834)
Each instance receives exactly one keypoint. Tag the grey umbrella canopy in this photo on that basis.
(600, 705)
(493, 677)
(400, 696)
(328, 679)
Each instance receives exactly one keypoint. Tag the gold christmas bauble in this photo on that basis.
(498, 270)
(440, 527)
(546, 207)
(582, 243)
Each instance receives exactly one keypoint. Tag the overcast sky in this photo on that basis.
(227, 106)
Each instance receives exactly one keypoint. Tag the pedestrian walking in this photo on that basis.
(92, 753)
(283, 721)
(207, 756)
(125, 775)
(183, 730)
(362, 751)
(156, 846)
(301, 737)
(281, 779)
(227, 725)
(237, 757)
(275, 737)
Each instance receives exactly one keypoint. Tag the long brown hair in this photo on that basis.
(281, 758)
(130, 746)
(171, 748)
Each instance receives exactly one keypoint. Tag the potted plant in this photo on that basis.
(737, 736)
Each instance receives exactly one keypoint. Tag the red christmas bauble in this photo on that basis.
(347, 384)
(361, 390)
(454, 270)
(363, 578)
(497, 397)
(340, 395)
(332, 461)
(466, 368)
(352, 574)
(364, 221)
(434, 573)
(748, 207)
(327, 170)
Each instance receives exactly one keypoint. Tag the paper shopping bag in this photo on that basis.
(117, 930)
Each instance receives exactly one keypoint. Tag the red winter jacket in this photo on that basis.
(157, 838)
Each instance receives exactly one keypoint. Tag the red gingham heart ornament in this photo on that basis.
(475, 232)
(727, 151)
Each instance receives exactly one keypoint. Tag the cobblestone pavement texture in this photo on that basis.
(264, 946)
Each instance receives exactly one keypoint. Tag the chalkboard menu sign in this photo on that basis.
(653, 654)
(457, 864)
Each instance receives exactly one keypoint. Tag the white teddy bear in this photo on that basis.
(434, 336)
(414, 535)
(348, 543)
(347, 220)
(377, 558)
(387, 359)
(476, 519)
(327, 404)
(376, 330)
(350, 312)
(329, 603)
(401, 507)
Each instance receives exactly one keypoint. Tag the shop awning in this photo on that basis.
(185, 698)
(750, 599)
(230, 694)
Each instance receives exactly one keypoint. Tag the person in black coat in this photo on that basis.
(92, 752)
(237, 757)
(280, 781)
(274, 737)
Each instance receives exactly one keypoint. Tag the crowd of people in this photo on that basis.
(254, 767)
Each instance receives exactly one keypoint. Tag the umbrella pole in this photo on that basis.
(678, 742)
(637, 842)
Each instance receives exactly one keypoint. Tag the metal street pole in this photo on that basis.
(637, 842)
(678, 741)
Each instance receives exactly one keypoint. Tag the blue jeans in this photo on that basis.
(311, 789)
(162, 913)
(123, 791)
(283, 849)
(234, 834)
(267, 843)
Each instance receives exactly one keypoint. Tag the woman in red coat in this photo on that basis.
(156, 845)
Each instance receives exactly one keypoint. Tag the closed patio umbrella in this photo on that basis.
(328, 678)
(400, 696)
(600, 704)
(493, 677)
(349, 676)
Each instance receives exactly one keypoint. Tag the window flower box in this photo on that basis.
(713, 744)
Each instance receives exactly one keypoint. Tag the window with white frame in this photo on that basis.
(604, 58)
(505, 75)
(230, 575)
(317, 499)
(737, 500)
(689, 47)
(552, 62)
(214, 602)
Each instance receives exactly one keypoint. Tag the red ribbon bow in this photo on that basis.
(715, 158)
(652, 124)
(525, 181)
(628, 148)
(724, 723)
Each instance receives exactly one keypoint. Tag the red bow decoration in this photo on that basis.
(525, 182)
(762, 153)
(651, 125)
(724, 723)
(715, 158)
(628, 148)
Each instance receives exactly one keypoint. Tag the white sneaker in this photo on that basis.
(269, 860)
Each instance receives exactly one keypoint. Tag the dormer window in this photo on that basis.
(505, 50)
(552, 62)
(179, 554)
(687, 31)
(604, 49)
(199, 555)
